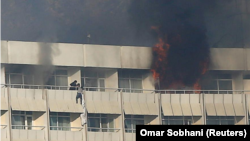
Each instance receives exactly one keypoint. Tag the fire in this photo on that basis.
(168, 78)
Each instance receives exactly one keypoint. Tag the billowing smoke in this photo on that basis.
(181, 55)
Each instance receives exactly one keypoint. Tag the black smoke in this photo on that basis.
(181, 25)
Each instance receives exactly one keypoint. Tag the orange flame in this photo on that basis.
(161, 50)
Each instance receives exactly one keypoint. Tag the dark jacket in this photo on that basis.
(73, 86)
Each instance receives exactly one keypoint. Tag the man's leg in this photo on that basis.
(77, 98)
(80, 96)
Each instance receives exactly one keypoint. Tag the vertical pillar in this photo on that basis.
(238, 83)
(122, 119)
(2, 74)
(111, 80)
(47, 128)
(148, 82)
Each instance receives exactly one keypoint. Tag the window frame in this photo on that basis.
(55, 75)
(25, 115)
(100, 117)
(218, 79)
(57, 121)
(181, 118)
(132, 119)
(220, 119)
(130, 79)
(8, 79)
(98, 78)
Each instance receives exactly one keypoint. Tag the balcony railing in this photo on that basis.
(128, 130)
(96, 129)
(27, 127)
(65, 128)
(128, 90)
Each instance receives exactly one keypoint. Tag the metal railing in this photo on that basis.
(128, 130)
(27, 127)
(95, 129)
(127, 90)
(65, 128)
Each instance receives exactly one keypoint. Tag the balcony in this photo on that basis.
(34, 133)
(103, 134)
(66, 133)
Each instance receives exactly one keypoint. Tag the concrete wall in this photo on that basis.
(136, 57)
(2, 74)
(17, 52)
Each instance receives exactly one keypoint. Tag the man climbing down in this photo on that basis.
(79, 93)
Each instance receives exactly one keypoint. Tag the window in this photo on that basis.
(177, 120)
(130, 80)
(131, 121)
(21, 120)
(93, 80)
(60, 121)
(100, 123)
(19, 80)
(58, 78)
(247, 76)
(220, 120)
(220, 82)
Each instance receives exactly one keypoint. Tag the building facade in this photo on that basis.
(119, 92)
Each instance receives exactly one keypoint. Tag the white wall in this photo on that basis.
(136, 57)
(102, 56)
(2, 74)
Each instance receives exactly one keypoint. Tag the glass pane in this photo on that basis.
(136, 74)
(224, 76)
(124, 83)
(29, 123)
(123, 74)
(53, 113)
(64, 122)
(138, 116)
(62, 81)
(28, 113)
(225, 85)
(94, 124)
(53, 122)
(246, 76)
(128, 126)
(188, 120)
(91, 83)
(7, 79)
(82, 82)
(16, 79)
(51, 81)
(28, 79)
(136, 84)
(104, 123)
(101, 74)
(61, 72)
(128, 116)
(212, 85)
(63, 114)
(18, 120)
(90, 74)
(176, 122)
(17, 112)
